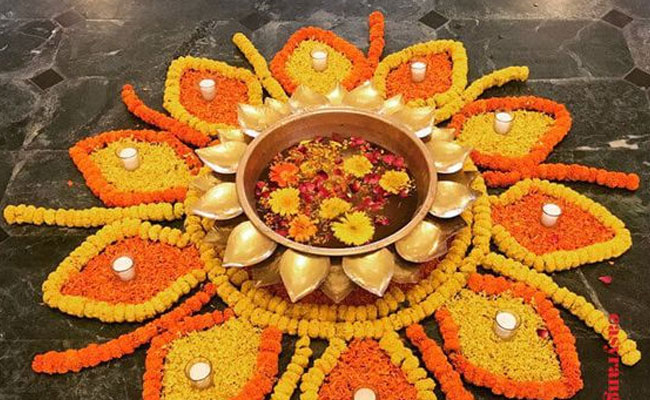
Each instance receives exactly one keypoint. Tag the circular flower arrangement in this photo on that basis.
(349, 235)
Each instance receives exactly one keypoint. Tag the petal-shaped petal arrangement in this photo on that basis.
(84, 284)
(372, 271)
(428, 240)
(302, 273)
(220, 202)
(247, 246)
(244, 365)
(387, 368)
(292, 65)
(451, 199)
(223, 158)
(538, 126)
(543, 368)
(185, 103)
(446, 74)
(586, 232)
(97, 160)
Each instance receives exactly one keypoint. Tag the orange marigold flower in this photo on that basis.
(284, 174)
(302, 228)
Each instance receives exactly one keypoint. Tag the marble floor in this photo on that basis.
(62, 63)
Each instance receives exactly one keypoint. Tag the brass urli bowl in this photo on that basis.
(345, 122)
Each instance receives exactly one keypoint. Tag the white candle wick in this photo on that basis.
(503, 122)
(365, 394)
(208, 89)
(319, 60)
(550, 214)
(129, 157)
(123, 268)
(418, 71)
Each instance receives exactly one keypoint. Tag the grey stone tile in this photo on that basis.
(637, 35)
(635, 8)
(46, 79)
(617, 18)
(69, 18)
(517, 9)
(21, 50)
(18, 100)
(639, 78)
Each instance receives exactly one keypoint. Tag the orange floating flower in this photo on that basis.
(284, 174)
(301, 228)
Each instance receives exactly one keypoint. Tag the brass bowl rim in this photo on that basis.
(419, 215)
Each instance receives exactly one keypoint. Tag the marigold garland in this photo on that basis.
(563, 340)
(375, 38)
(567, 173)
(437, 363)
(119, 312)
(74, 360)
(108, 193)
(260, 66)
(255, 388)
(560, 259)
(288, 382)
(173, 87)
(575, 304)
(90, 217)
(537, 153)
(181, 130)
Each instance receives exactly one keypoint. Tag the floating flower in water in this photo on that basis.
(285, 201)
(284, 174)
(332, 208)
(394, 181)
(354, 229)
(357, 165)
(302, 228)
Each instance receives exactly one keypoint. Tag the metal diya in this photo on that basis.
(362, 113)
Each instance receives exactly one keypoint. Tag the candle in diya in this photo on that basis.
(199, 372)
(319, 60)
(364, 393)
(551, 212)
(124, 268)
(418, 71)
(208, 88)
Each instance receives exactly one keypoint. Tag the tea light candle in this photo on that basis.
(129, 157)
(365, 394)
(319, 60)
(503, 122)
(505, 324)
(124, 268)
(208, 89)
(550, 214)
(418, 71)
(199, 372)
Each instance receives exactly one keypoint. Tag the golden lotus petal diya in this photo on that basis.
(204, 183)
(392, 105)
(220, 202)
(463, 177)
(337, 286)
(406, 272)
(231, 135)
(251, 118)
(218, 236)
(448, 157)
(418, 119)
(451, 200)
(444, 134)
(224, 157)
(277, 107)
(364, 97)
(247, 246)
(372, 271)
(336, 95)
(425, 243)
(267, 273)
(305, 98)
(302, 273)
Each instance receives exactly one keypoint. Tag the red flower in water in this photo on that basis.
(399, 162)
(284, 174)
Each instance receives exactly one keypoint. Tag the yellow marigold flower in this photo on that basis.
(394, 181)
(285, 201)
(332, 208)
(354, 229)
(357, 165)
(302, 228)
